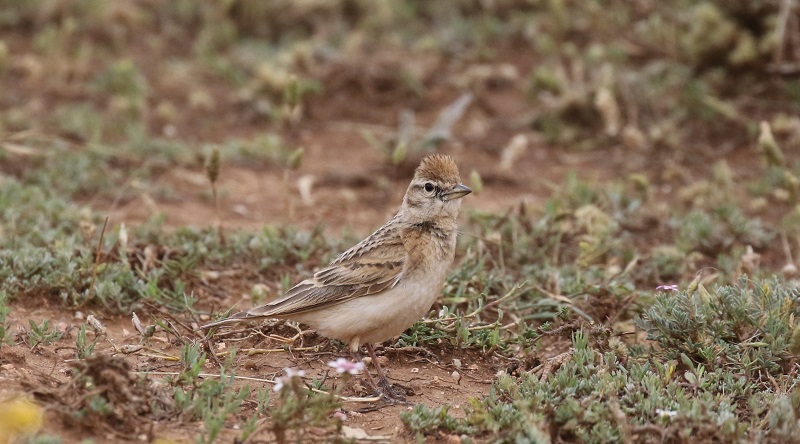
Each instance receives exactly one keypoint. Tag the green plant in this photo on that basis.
(596, 396)
(211, 400)
(297, 409)
(42, 334)
(423, 420)
(745, 328)
(5, 337)
(214, 417)
(262, 398)
(43, 439)
(83, 347)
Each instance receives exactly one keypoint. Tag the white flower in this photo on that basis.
(666, 413)
(343, 365)
(668, 287)
(289, 373)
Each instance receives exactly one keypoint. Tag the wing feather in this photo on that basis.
(372, 266)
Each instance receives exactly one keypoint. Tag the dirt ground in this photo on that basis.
(47, 371)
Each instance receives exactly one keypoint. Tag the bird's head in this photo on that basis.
(436, 190)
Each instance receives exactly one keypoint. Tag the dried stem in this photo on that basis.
(780, 29)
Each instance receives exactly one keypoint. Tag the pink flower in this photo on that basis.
(667, 287)
(343, 365)
(289, 374)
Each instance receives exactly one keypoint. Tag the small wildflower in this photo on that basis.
(292, 373)
(667, 287)
(343, 365)
(666, 413)
(289, 373)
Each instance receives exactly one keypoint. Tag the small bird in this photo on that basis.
(382, 285)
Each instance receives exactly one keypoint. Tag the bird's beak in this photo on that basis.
(457, 192)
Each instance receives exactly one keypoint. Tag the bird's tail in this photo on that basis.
(232, 318)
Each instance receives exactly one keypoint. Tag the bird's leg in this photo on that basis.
(371, 381)
(384, 382)
(384, 387)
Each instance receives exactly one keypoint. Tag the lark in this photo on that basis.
(382, 285)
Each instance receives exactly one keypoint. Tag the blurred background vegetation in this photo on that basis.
(647, 74)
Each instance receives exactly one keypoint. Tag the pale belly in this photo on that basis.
(376, 318)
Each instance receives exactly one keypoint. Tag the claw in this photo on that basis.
(383, 387)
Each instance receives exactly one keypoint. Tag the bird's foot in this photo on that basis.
(393, 394)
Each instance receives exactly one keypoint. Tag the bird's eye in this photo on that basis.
(429, 187)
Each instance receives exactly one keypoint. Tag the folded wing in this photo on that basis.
(372, 266)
